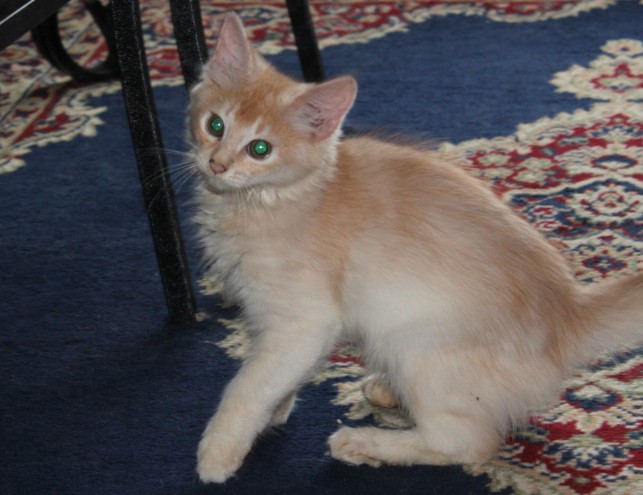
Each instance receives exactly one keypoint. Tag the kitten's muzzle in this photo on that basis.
(217, 167)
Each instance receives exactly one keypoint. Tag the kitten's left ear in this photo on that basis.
(322, 108)
(235, 60)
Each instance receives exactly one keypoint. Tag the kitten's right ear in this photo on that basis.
(234, 60)
(321, 109)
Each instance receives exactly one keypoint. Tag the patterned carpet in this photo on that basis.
(541, 99)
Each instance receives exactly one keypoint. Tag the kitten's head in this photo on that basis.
(256, 128)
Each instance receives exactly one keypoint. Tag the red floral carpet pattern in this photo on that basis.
(39, 105)
(578, 177)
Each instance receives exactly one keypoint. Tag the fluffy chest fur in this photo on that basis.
(471, 315)
(262, 255)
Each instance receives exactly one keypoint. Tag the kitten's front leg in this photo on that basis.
(283, 358)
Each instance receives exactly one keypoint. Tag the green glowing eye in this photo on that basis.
(259, 148)
(216, 125)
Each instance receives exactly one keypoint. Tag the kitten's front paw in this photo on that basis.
(352, 445)
(218, 458)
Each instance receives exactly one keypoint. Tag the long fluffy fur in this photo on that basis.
(472, 317)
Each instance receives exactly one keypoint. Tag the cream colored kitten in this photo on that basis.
(469, 315)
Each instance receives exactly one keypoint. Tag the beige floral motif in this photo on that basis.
(593, 257)
(597, 385)
(612, 201)
(579, 451)
(237, 342)
(535, 170)
(615, 76)
(615, 160)
(514, 12)
(545, 157)
(544, 130)
(632, 48)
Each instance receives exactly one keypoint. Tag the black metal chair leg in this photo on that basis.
(155, 179)
(193, 52)
(307, 48)
(190, 41)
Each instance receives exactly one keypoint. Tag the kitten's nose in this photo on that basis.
(216, 167)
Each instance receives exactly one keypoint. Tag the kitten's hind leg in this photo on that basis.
(281, 414)
(378, 392)
(449, 440)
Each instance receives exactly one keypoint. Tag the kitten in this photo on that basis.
(470, 317)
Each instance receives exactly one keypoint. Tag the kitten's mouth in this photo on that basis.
(217, 184)
(220, 183)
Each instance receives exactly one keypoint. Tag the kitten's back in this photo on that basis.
(404, 210)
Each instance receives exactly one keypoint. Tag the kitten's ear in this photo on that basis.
(322, 108)
(234, 61)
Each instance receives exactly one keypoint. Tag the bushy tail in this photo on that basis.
(614, 311)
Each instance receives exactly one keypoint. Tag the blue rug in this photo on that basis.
(100, 395)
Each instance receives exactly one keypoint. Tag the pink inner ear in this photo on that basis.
(232, 60)
(322, 108)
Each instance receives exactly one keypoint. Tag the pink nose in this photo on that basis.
(217, 168)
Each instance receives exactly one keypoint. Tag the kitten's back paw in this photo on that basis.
(378, 392)
(352, 445)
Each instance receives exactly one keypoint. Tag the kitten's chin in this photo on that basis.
(219, 184)
(216, 186)
(269, 190)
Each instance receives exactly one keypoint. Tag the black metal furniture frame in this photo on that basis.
(193, 52)
(47, 38)
(146, 134)
(125, 41)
